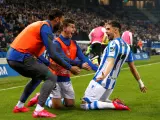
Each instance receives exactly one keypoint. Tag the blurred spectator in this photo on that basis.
(3, 44)
(2, 28)
(140, 45)
(17, 14)
(149, 45)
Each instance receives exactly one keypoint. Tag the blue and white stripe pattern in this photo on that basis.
(120, 51)
(93, 105)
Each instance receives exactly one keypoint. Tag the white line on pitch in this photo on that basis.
(24, 85)
(79, 76)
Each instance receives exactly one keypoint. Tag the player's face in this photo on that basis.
(70, 30)
(110, 32)
(59, 21)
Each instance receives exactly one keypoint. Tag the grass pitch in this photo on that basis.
(144, 106)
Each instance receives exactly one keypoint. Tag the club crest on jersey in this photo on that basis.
(68, 53)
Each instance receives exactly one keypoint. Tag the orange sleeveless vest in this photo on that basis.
(29, 40)
(70, 52)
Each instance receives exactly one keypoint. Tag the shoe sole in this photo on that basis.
(43, 116)
(17, 111)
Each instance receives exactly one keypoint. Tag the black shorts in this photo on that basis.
(96, 49)
(31, 68)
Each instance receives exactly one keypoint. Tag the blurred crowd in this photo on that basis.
(15, 15)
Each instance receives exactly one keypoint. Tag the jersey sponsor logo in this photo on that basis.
(112, 49)
(3, 71)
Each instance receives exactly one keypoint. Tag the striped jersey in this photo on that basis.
(120, 51)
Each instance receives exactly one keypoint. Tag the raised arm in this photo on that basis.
(135, 73)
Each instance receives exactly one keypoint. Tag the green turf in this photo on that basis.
(143, 106)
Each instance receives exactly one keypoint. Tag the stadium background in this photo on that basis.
(141, 16)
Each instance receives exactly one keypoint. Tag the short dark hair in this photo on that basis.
(128, 28)
(67, 21)
(55, 13)
(115, 24)
(102, 23)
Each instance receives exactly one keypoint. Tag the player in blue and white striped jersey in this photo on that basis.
(101, 86)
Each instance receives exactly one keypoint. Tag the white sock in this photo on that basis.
(39, 108)
(99, 105)
(20, 104)
(49, 102)
(105, 105)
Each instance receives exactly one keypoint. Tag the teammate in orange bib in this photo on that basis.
(29, 40)
(70, 51)
(64, 90)
(64, 87)
(31, 43)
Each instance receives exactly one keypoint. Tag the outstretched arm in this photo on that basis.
(137, 76)
(135, 72)
(47, 37)
(85, 60)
